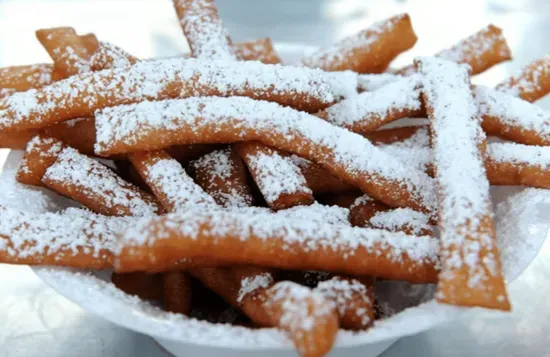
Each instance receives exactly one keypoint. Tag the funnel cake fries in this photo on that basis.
(79, 96)
(222, 175)
(368, 111)
(96, 186)
(318, 179)
(74, 238)
(354, 300)
(309, 319)
(110, 56)
(42, 151)
(264, 239)
(471, 272)
(204, 29)
(517, 164)
(480, 51)
(513, 118)
(22, 78)
(169, 182)
(531, 83)
(194, 120)
(278, 177)
(70, 52)
(369, 51)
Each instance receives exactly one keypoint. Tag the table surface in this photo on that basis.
(36, 321)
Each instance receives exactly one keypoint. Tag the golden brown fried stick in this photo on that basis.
(81, 95)
(265, 239)
(41, 152)
(531, 83)
(177, 292)
(480, 51)
(279, 179)
(223, 176)
(74, 238)
(354, 300)
(204, 29)
(194, 120)
(22, 78)
(471, 269)
(97, 187)
(310, 321)
(369, 51)
(70, 52)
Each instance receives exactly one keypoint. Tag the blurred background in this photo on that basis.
(35, 321)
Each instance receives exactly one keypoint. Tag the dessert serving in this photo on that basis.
(229, 187)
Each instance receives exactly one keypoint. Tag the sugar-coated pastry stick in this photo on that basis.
(68, 50)
(354, 300)
(318, 179)
(369, 51)
(513, 118)
(110, 56)
(41, 152)
(81, 95)
(310, 320)
(145, 285)
(480, 51)
(257, 50)
(346, 155)
(531, 83)
(169, 182)
(22, 78)
(264, 239)
(97, 187)
(90, 42)
(517, 164)
(204, 30)
(471, 272)
(74, 238)
(370, 110)
(176, 292)
(222, 174)
(279, 179)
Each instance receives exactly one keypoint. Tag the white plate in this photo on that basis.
(521, 221)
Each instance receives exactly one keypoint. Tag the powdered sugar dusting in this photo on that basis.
(96, 180)
(344, 292)
(110, 56)
(301, 307)
(220, 166)
(252, 283)
(180, 189)
(527, 81)
(309, 235)
(46, 148)
(369, 110)
(513, 112)
(276, 174)
(414, 151)
(71, 231)
(204, 29)
(81, 95)
(455, 140)
(518, 154)
(317, 212)
(402, 218)
(372, 82)
(259, 120)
